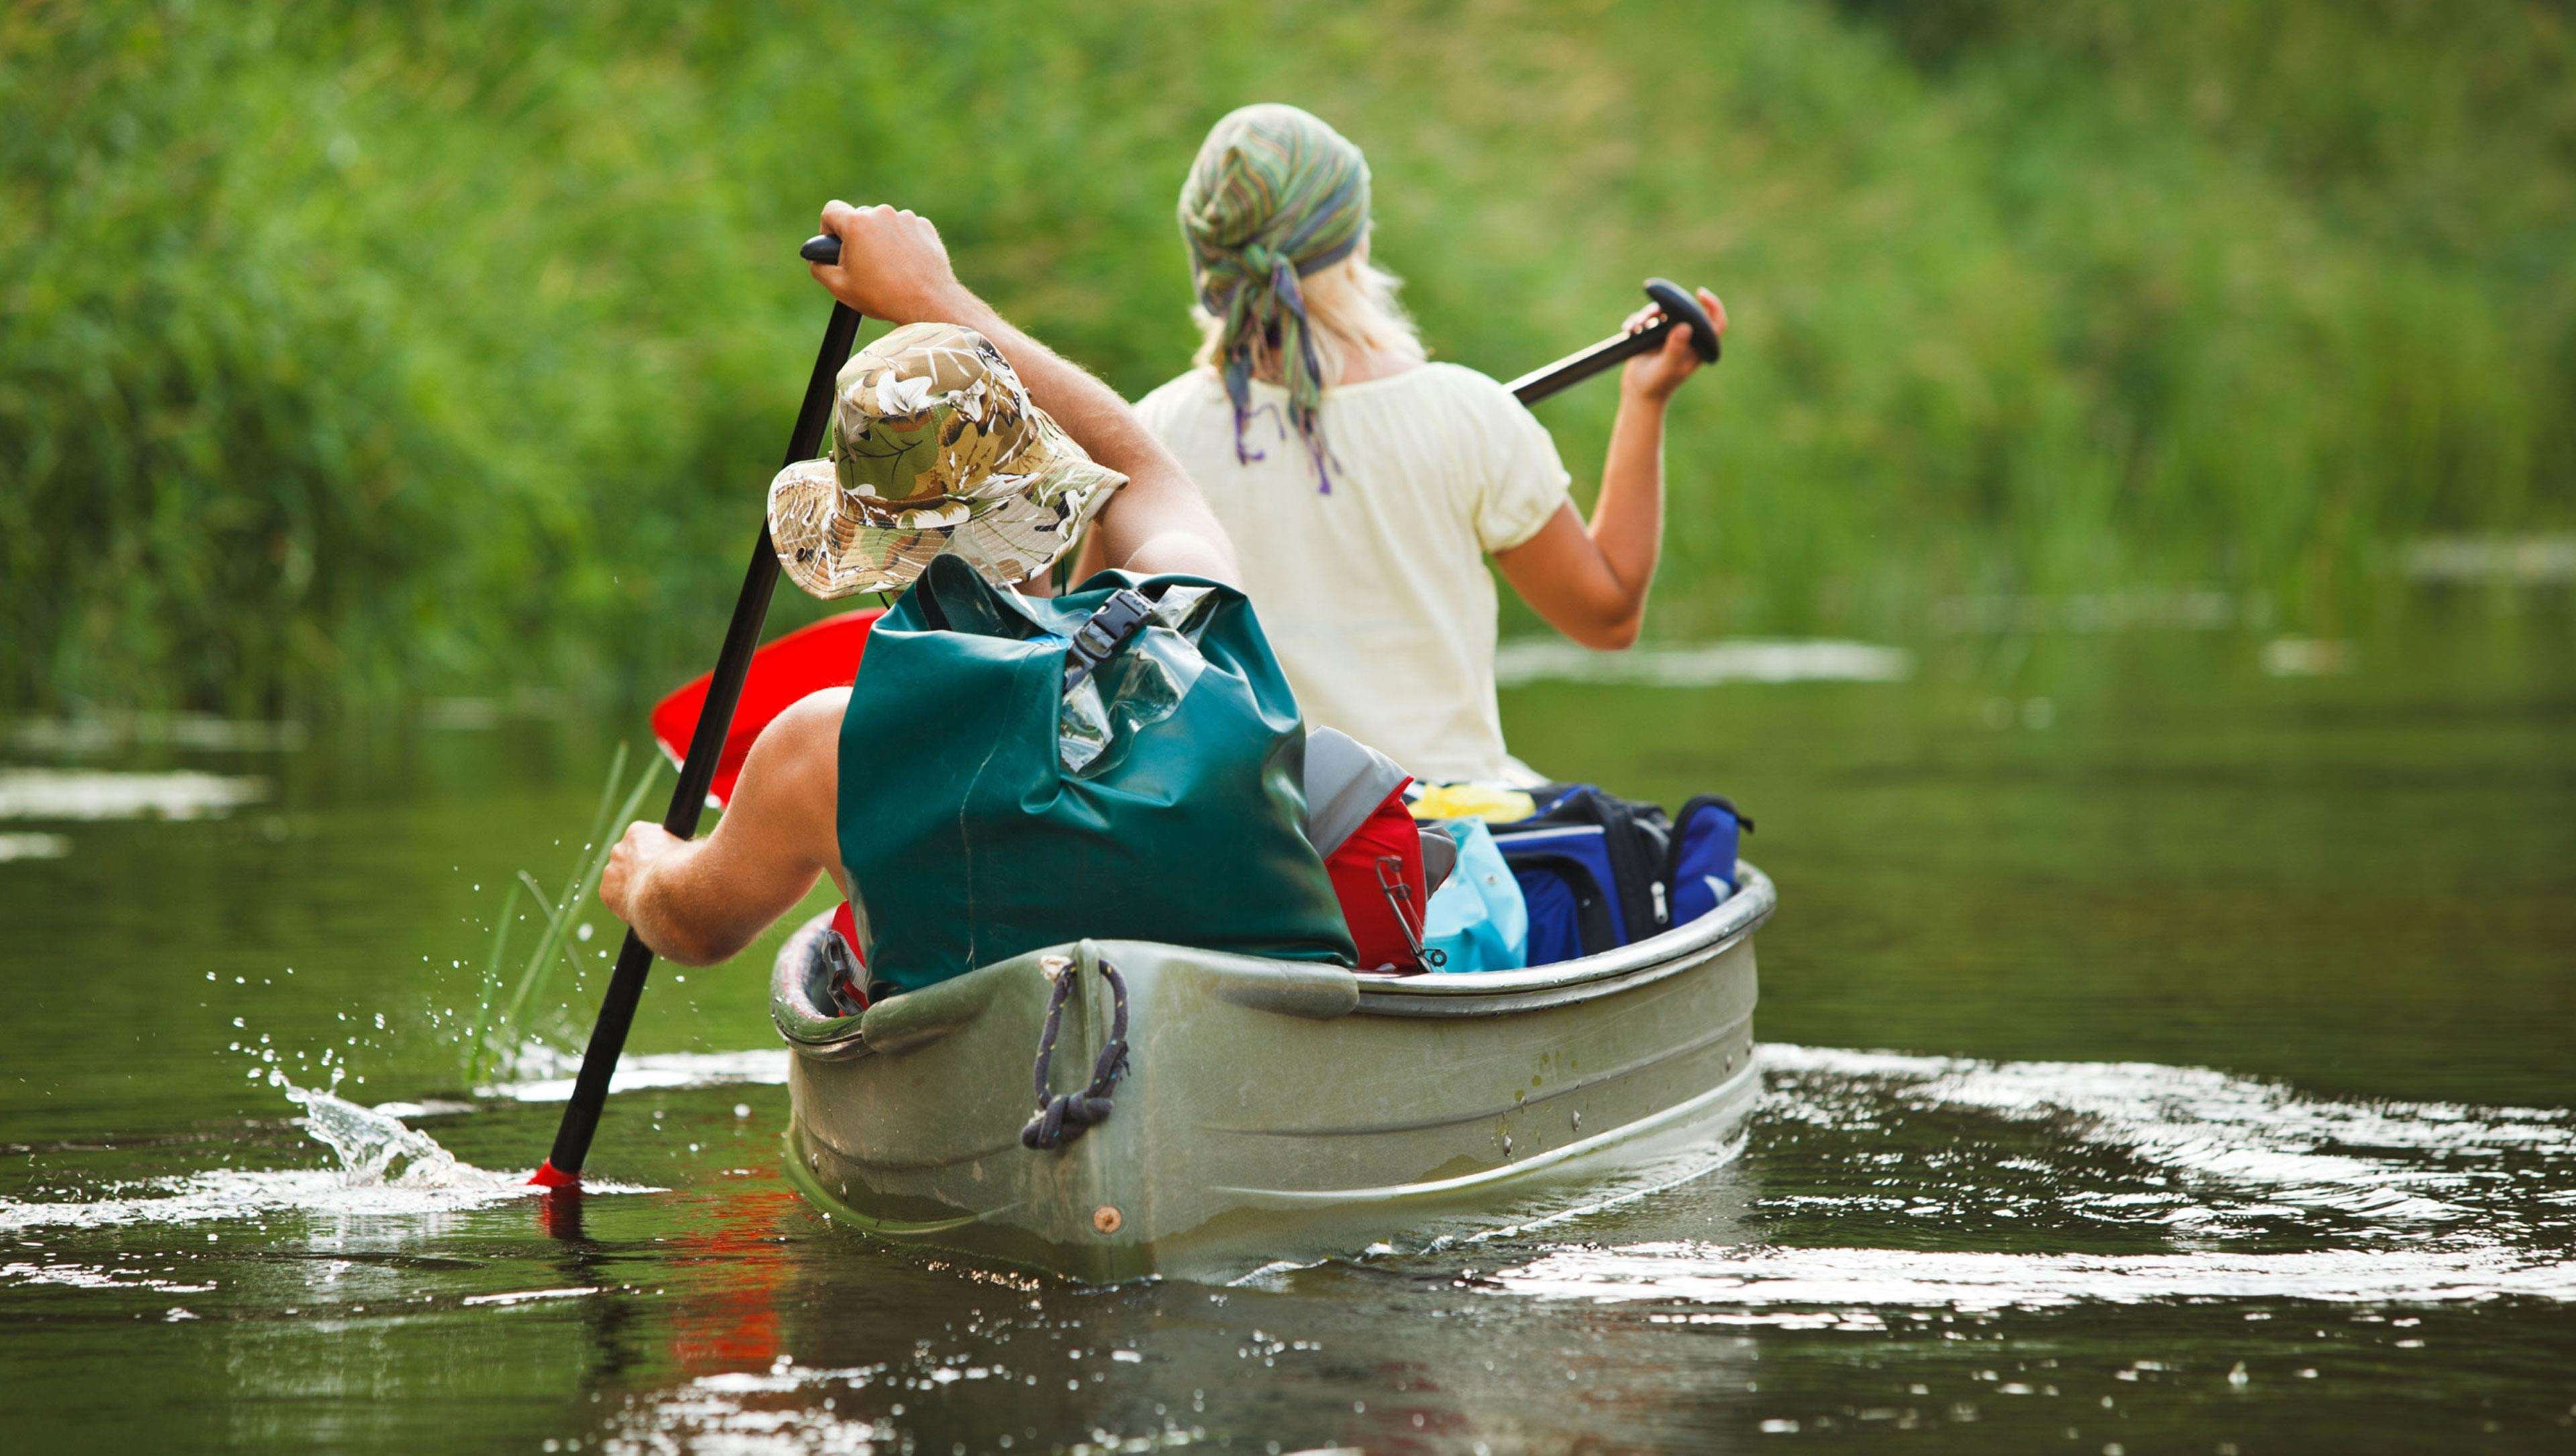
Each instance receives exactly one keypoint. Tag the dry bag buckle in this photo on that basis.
(1108, 629)
(1399, 898)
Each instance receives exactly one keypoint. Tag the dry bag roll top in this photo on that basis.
(992, 802)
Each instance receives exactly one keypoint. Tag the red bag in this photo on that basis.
(1377, 874)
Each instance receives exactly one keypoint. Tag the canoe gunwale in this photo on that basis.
(1502, 993)
(808, 1030)
(929, 1013)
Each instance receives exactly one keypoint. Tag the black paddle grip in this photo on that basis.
(1679, 308)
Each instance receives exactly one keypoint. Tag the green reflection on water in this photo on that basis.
(2122, 848)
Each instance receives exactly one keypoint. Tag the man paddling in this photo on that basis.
(956, 432)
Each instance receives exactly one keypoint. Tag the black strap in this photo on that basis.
(1110, 626)
(1063, 1116)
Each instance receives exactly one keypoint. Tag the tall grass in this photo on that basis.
(507, 1006)
(363, 349)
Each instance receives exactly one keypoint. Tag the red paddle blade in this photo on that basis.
(807, 660)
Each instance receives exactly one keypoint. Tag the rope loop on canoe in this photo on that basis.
(1063, 1116)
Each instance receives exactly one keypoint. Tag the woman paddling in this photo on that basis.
(1364, 486)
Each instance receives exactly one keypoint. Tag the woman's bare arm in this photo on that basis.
(700, 902)
(893, 266)
(1590, 581)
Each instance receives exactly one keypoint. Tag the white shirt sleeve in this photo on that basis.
(1525, 480)
(1154, 411)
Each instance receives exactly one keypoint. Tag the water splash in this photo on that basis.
(374, 1147)
(385, 1170)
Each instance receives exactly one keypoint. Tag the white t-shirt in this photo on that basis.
(1375, 595)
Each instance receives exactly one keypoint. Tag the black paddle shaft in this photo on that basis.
(698, 770)
(1675, 301)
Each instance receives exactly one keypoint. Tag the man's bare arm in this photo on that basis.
(894, 267)
(701, 902)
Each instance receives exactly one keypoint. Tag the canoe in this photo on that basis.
(1269, 1110)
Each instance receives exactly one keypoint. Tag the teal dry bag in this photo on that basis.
(988, 808)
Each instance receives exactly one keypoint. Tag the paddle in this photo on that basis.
(707, 741)
(826, 654)
(1679, 308)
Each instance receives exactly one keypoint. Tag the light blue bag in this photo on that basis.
(1476, 917)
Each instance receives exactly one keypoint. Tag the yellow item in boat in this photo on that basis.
(1492, 803)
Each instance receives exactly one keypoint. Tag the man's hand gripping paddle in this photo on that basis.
(708, 740)
(826, 654)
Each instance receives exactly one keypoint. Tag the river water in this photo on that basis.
(2166, 1044)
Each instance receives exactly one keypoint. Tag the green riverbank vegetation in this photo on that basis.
(360, 351)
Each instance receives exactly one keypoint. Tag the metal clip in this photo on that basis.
(1399, 898)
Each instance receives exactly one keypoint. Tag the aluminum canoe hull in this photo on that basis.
(1271, 1110)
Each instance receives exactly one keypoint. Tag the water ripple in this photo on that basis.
(1763, 1282)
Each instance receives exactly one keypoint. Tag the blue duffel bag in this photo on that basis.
(1699, 862)
(1598, 872)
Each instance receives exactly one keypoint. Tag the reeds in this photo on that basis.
(505, 1014)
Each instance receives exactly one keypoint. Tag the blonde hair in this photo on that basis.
(1351, 308)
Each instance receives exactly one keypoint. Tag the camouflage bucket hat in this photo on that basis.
(935, 447)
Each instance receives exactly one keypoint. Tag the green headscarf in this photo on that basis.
(1275, 194)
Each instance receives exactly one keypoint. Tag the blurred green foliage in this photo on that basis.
(357, 350)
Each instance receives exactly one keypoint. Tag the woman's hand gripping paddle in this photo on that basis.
(1678, 309)
(707, 743)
